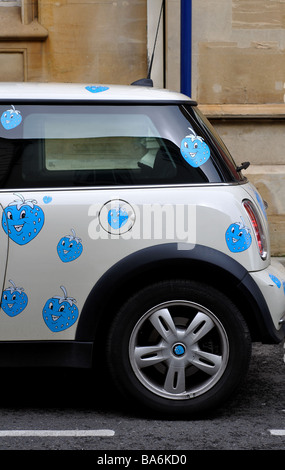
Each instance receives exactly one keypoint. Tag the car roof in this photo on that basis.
(10, 91)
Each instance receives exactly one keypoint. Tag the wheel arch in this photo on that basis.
(166, 262)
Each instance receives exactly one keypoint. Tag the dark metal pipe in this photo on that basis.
(186, 47)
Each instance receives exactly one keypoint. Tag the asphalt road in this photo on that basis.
(48, 404)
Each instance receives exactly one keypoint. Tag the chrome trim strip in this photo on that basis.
(118, 188)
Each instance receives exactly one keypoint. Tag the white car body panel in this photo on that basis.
(37, 268)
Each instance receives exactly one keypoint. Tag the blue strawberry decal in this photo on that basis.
(11, 118)
(96, 89)
(60, 312)
(238, 237)
(14, 300)
(22, 220)
(117, 217)
(275, 280)
(69, 247)
(194, 150)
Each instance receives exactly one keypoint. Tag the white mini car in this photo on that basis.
(131, 240)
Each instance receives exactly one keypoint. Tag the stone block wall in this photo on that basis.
(73, 41)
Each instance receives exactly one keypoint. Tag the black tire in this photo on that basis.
(179, 348)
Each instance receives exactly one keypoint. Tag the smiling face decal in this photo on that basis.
(11, 118)
(69, 247)
(238, 237)
(194, 150)
(60, 312)
(14, 300)
(22, 220)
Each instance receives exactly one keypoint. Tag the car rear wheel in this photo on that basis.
(179, 347)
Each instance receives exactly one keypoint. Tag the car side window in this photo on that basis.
(66, 145)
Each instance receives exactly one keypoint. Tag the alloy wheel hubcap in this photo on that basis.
(179, 350)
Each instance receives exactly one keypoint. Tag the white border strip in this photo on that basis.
(277, 432)
(54, 433)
